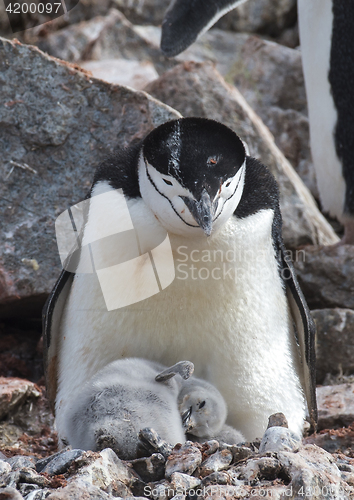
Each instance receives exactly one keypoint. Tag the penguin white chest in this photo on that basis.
(225, 311)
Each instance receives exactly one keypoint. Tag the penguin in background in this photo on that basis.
(326, 35)
(234, 307)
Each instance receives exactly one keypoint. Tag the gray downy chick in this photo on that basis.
(123, 398)
(204, 411)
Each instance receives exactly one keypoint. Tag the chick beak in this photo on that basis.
(186, 417)
(202, 210)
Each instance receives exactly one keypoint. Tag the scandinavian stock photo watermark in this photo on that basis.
(104, 236)
(241, 491)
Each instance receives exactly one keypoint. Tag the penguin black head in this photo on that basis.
(191, 174)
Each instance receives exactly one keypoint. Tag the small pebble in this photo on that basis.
(240, 453)
(277, 420)
(150, 468)
(5, 468)
(184, 482)
(151, 441)
(10, 493)
(61, 463)
(279, 439)
(216, 462)
(20, 461)
(210, 447)
(185, 459)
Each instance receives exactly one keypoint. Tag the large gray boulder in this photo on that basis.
(56, 125)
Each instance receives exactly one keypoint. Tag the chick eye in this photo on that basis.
(166, 181)
(202, 404)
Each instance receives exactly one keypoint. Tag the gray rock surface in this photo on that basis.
(279, 439)
(101, 38)
(61, 462)
(197, 89)
(336, 406)
(281, 475)
(124, 72)
(326, 276)
(334, 341)
(52, 141)
(184, 458)
(14, 392)
(217, 461)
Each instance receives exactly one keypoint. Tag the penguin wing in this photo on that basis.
(185, 20)
(305, 331)
(52, 312)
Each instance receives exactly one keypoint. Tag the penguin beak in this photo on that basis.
(202, 210)
(186, 417)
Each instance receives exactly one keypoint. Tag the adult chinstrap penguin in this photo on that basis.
(231, 300)
(326, 28)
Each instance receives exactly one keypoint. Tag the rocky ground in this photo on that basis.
(62, 110)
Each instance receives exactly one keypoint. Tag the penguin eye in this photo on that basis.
(166, 181)
(201, 405)
(228, 184)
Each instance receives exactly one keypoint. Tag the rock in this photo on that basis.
(107, 472)
(184, 482)
(61, 462)
(314, 471)
(210, 447)
(197, 89)
(10, 493)
(261, 16)
(14, 392)
(26, 488)
(79, 489)
(217, 461)
(335, 406)
(334, 345)
(57, 138)
(40, 494)
(240, 453)
(326, 276)
(150, 469)
(152, 442)
(5, 468)
(19, 462)
(133, 74)
(333, 440)
(27, 475)
(184, 458)
(279, 439)
(161, 490)
(277, 420)
(269, 468)
(102, 38)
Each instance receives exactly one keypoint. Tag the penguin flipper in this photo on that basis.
(52, 312)
(185, 20)
(183, 368)
(305, 329)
